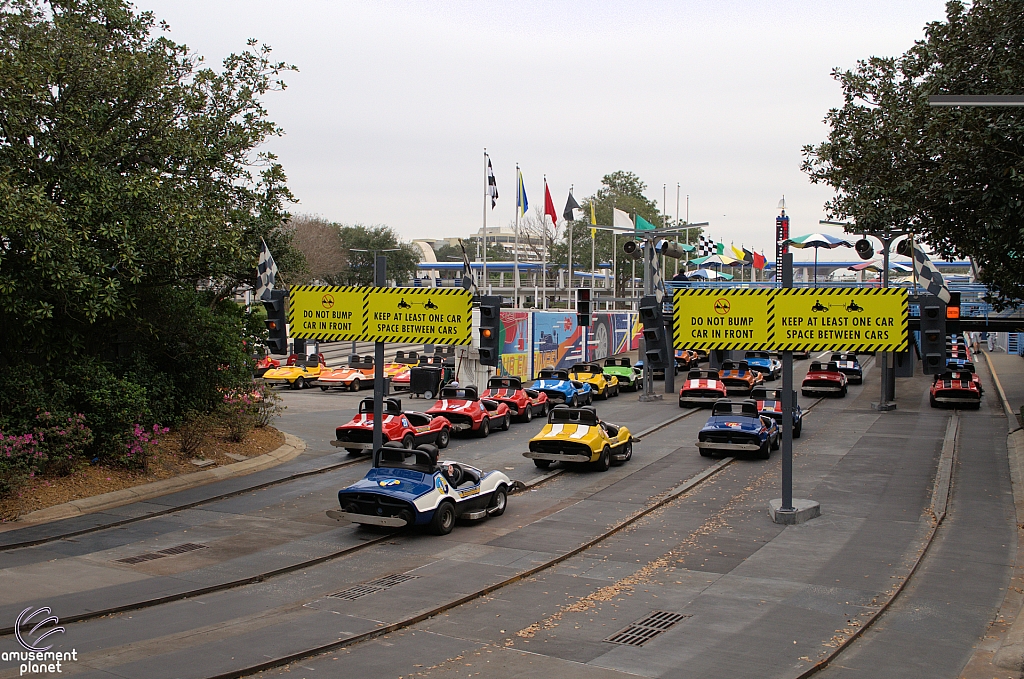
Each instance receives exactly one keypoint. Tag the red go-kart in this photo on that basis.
(468, 412)
(410, 428)
(524, 403)
(824, 378)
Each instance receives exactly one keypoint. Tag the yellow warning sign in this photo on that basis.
(419, 315)
(856, 319)
(327, 313)
(722, 319)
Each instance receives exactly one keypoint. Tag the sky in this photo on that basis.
(394, 101)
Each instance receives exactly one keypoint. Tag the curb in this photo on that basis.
(1010, 654)
(1010, 415)
(293, 447)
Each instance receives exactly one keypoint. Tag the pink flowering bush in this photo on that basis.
(138, 444)
(64, 440)
(238, 412)
(20, 459)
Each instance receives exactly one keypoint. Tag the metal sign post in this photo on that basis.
(787, 402)
(380, 279)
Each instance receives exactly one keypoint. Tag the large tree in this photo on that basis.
(126, 166)
(955, 176)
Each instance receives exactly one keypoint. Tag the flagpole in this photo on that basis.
(677, 225)
(519, 198)
(615, 273)
(544, 249)
(569, 232)
(487, 195)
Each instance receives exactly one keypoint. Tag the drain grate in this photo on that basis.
(379, 585)
(640, 632)
(159, 554)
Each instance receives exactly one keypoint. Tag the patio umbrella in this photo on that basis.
(711, 275)
(817, 240)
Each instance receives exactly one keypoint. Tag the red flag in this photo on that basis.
(759, 261)
(549, 206)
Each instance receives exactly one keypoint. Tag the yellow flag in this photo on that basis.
(593, 234)
(736, 251)
(593, 219)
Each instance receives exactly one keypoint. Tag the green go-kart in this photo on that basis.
(623, 370)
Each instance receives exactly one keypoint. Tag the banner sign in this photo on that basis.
(409, 315)
(854, 319)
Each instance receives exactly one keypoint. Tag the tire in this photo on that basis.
(765, 451)
(933, 402)
(575, 403)
(797, 429)
(323, 388)
(444, 437)
(507, 422)
(605, 461)
(528, 415)
(499, 500)
(428, 394)
(408, 441)
(805, 393)
(629, 455)
(777, 443)
(299, 383)
(704, 453)
(444, 519)
(356, 385)
(542, 464)
(485, 428)
(842, 394)
(354, 451)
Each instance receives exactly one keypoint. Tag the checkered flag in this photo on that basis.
(705, 246)
(492, 183)
(266, 272)
(928, 275)
(657, 281)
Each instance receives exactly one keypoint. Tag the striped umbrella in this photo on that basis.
(817, 240)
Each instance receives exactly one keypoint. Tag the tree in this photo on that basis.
(319, 241)
(953, 176)
(124, 167)
(358, 266)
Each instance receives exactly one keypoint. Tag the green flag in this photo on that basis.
(643, 225)
(720, 248)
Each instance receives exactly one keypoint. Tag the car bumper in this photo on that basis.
(557, 457)
(277, 380)
(367, 519)
(712, 445)
(825, 389)
(700, 399)
(352, 444)
(957, 399)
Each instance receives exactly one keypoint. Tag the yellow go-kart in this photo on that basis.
(577, 435)
(303, 373)
(603, 386)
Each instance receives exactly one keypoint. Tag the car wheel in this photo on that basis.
(797, 429)
(444, 519)
(805, 393)
(933, 402)
(444, 437)
(575, 401)
(605, 461)
(765, 451)
(777, 443)
(506, 423)
(485, 428)
(542, 464)
(406, 515)
(323, 388)
(354, 451)
(299, 383)
(498, 502)
(842, 394)
(408, 441)
(528, 415)
(629, 454)
(356, 386)
(704, 453)
(590, 399)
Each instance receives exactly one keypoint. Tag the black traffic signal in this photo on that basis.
(656, 340)
(953, 314)
(277, 322)
(490, 330)
(583, 307)
(864, 248)
(933, 334)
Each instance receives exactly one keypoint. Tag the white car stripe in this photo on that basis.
(581, 431)
(556, 429)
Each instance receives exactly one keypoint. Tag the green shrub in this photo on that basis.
(20, 458)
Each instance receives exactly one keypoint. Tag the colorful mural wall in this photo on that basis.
(516, 343)
(558, 342)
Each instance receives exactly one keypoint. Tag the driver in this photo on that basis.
(452, 473)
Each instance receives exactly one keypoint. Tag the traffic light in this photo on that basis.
(633, 248)
(277, 322)
(933, 334)
(953, 314)
(583, 307)
(490, 330)
(864, 248)
(656, 340)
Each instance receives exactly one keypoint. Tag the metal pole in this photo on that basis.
(677, 224)
(519, 197)
(787, 402)
(380, 280)
(615, 274)
(487, 196)
(884, 400)
(568, 284)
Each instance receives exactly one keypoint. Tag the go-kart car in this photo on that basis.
(264, 364)
(762, 362)
(737, 427)
(406, 428)
(701, 388)
(400, 380)
(301, 373)
(577, 435)
(560, 389)
(468, 412)
(524, 403)
(685, 359)
(348, 378)
(824, 378)
(411, 488)
(955, 388)
(603, 386)
(849, 366)
(801, 354)
(739, 378)
(620, 368)
(769, 402)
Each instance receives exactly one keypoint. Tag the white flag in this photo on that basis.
(620, 218)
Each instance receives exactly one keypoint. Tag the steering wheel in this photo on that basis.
(455, 475)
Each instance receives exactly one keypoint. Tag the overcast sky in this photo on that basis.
(394, 102)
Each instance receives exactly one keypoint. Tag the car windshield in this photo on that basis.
(391, 407)
(459, 393)
(743, 408)
(504, 383)
(399, 458)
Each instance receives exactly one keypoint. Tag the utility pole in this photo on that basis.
(380, 279)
